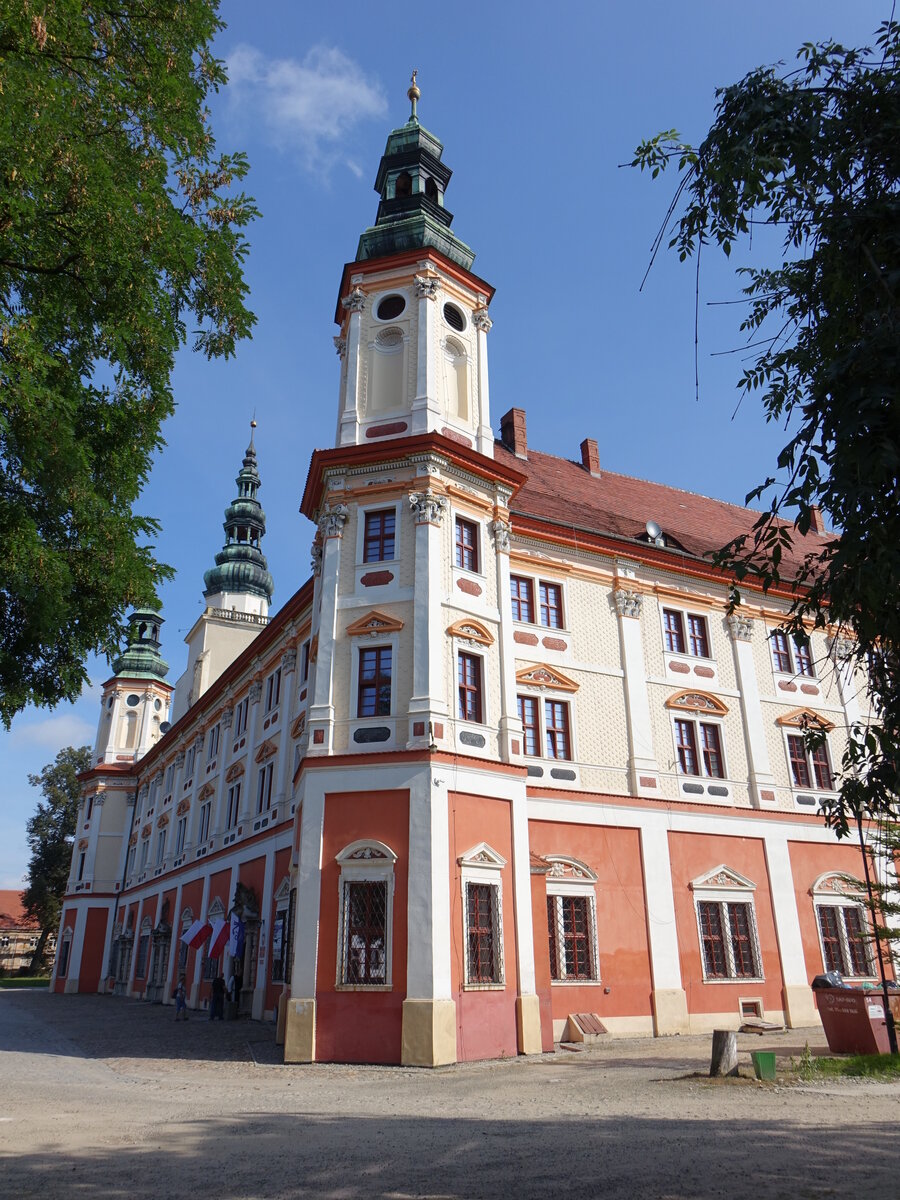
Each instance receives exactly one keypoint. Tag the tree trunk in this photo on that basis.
(37, 959)
(724, 1053)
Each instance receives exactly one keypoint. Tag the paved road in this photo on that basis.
(108, 1098)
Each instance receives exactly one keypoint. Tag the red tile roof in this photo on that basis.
(12, 914)
(560, 491)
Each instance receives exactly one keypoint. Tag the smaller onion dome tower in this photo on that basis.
(135, 701)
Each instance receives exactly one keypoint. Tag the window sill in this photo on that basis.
(576, 982)
(738, 979)
(363, 987)
(484, 987)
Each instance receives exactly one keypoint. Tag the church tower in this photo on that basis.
(413, 318)
(238, 591)
(135, 701)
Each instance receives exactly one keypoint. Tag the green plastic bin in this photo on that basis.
(764, 1064)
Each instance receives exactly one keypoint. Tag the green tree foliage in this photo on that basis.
(118, 227)
(51, 832)
(813, 155)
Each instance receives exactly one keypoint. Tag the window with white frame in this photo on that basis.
(264, 788)
(843, 927)
(546, 727)
(189, 760)
(726, 925)
(304, 662)
(233, 806)
(572, 921)
(375, 670)
(470, 687)
(379, 534)
(810, 764)
(241, 711)
(273, 690)
(698, 734)
(467, 550)
(482, 903)
(65, 946)
(180, 833)
(170, 778)
(685, 633)
(791, 655)
(212, 743)
(365, 925)
(129, 862)
(549, 608)
(145, 852)
(160, 847)
(205, 811)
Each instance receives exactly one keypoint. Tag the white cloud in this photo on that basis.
(310, 106)
(63, 729)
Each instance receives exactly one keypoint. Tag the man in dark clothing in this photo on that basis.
(217, 1000)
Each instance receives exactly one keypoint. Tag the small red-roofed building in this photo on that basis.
(19, 935)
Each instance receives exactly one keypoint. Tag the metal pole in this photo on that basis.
(888, 1015)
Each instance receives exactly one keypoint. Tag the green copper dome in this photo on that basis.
(411, 181)
(240, 565)
(141, 658)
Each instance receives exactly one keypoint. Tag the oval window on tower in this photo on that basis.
(454, 317)
(390, 307)
(133, 700)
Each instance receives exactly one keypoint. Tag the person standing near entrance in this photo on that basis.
(217, 1000)
(180, 997)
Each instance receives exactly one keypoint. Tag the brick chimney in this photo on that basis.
(512, 432)
(590, 457)
(816, 521)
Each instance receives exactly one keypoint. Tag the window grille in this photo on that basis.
(364, 925)
(483, 958)
(728, 940)
(845, 939)
(572, 928)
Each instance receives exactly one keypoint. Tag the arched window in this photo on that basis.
(456, 379)
(387, 361)
(431, 189)
(403, 186)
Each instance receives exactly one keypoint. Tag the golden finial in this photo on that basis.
(413, 94)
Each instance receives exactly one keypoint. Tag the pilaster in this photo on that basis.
(643, 770)
(348, 426)
(300, 1024)
(425, 407)
(761, 781)
(321, 704)
(799, 1006)
(262, 951)
(670, 1011)
(485, 434)
(427, 706)
(510, 725)
(194, 990)
(288, 695)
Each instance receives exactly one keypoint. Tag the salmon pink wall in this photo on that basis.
(251, 874)
(696, 854)
(282, 867)
(68, 922)
(542, 958)
(92, 951)
(808, 862)
(361, 1026)
(191, 897)
(615, 856)
(485, 1020)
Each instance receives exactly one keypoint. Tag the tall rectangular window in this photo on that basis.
(469, 686)
(572, 937)
(233, 808)
(81, 862)
(803, 657)
(378, 538)
(781, 652)
(799, 763)
(189, 759)
(304, 662)
(728, 940)
(180, 834)
(273, 690)
(528, 715)
(556, 718)
(822, 767)
(482, 933)
(522, 596)
(364, 950)
(170, 777)
(710, 760)
(710, 739)
(205, 812)
(240, 716)
(264, 788)
(160, 847)
(809, 767)
(212, 744)
(551, 605)
(673, 626)
(374, 686)
(145, 852)
(698, 642)
(686, 745)
(466, 545)
(845, 939)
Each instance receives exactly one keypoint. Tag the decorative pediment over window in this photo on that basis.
(283, 891)
(569, 869)
(470, 630)
(373, 624)
(834, 883)
(805, 718)
(298, 726)
(482, 855)
(542, 677)
(234, 772)
(722, 877)
(183, 806)
(146, 925)
(187, 918)
(206, 791)
(216, 910)
(265, 752)
(366, 851)
(163, 821)
(697, 702)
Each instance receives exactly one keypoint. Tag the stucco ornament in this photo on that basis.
(428, 508)
(740, 627)
(289, 660)
(340, 346)
(426, 288)
(355, 302)
(255, 691)
(501, 531)
(481, 320)
(227, 718)
(842, 648)
(315, 561)
(332, 522)
(628, 603)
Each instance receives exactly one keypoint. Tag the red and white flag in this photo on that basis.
(218, 937)
(197, 934)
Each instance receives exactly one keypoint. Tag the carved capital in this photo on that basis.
(426, 287)
(428, 508)
(739, 627)
(179, 759)
(255, 691)
(289, 660)
(356, 301)
(481, 320)
(227, 718)
(340, 346)
(842, 648)
(332, 522)
(315, 562)
(500, 530)
(628, 603)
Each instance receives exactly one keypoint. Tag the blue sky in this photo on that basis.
(537, 107)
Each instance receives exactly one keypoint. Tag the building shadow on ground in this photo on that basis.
(341, 1158)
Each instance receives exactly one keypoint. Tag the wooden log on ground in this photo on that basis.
(724, 1059)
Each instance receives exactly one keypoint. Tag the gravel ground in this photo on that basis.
(107, 1098)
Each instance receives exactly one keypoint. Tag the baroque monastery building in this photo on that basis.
(502, 759)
